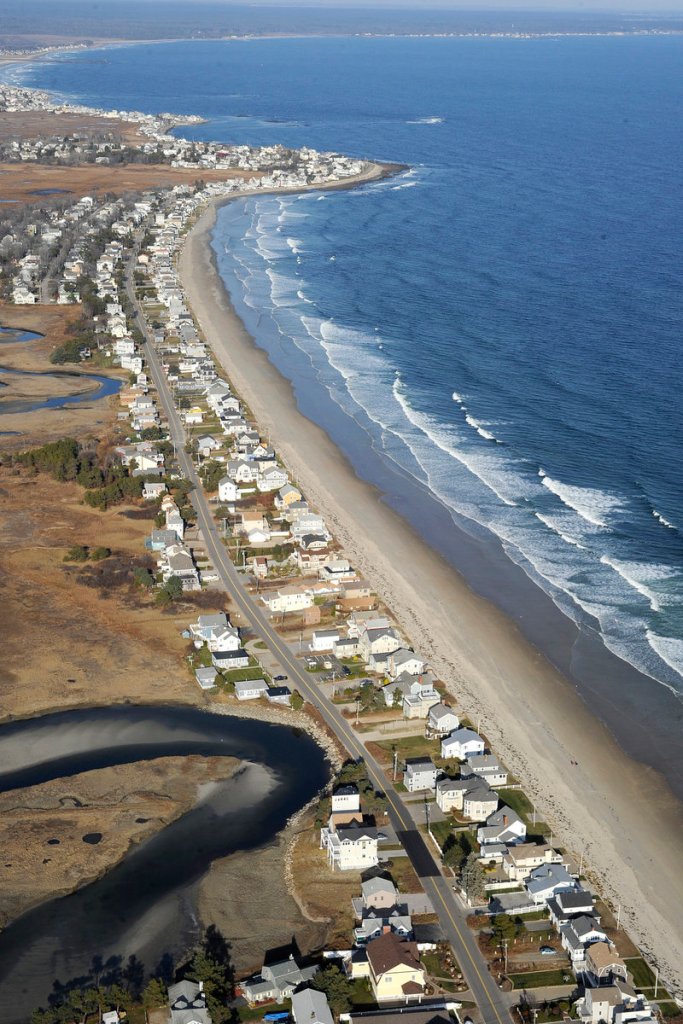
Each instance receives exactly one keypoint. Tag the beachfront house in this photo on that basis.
(406, 661)
(571, 903)
(503, 827)
(442, 720)
(520, 861)
(547, 880)
(577, 935)
(614, 1004)
(462, 743)
(487, 767)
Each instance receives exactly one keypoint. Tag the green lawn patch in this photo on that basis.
(669, 1008)
(540, 979)
(441, 831)
(643, 975)
(247, 1013)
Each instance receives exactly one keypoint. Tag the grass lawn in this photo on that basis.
(520, 802)
(403, 874)
(669, 1009)
(361, 995)
(236, 675)
(644, 978)
(406, 746)
(247, 1013)
(441, 831)
(540, 979)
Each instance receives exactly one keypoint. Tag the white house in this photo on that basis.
(351, 847)
(420, 774)
(462, 743)
(250, 689)
(442, 720)
(545, 881)
(486, 766)
(345, 800)
(288, 599)
(153, 490)
(324, 640)
(503, 826)
(271, 479)
(228, 490)
(404, 660)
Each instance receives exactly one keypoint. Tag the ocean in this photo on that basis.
(499, 325)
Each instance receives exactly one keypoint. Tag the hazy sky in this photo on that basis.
(646, 6)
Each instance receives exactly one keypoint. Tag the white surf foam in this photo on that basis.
(591, 504)
(660, 519)
(482, 431)
(642, 577)
(668, 648)
(427, 120)
(440, 436)
(553, 525)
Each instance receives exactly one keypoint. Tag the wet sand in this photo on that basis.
(622, 813)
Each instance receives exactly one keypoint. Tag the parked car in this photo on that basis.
(547, 951)
(280, 679)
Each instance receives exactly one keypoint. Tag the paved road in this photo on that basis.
(492, 1003)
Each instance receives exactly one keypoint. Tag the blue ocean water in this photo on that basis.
(503, 320)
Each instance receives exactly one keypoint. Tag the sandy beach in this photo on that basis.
(621, 813)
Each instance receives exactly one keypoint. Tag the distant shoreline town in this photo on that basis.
(22, 53)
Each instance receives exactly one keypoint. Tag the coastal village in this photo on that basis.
(506, 925)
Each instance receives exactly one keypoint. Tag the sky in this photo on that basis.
(645, 6)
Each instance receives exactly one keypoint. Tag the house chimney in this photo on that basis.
(386, 929)
(505, 819)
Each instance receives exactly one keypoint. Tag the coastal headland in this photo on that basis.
(622, 815)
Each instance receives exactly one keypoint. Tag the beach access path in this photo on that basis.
(493, 1004)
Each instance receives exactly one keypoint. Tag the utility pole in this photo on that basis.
(357, 708)
(505, 954)
(656, 981)
(395, 759)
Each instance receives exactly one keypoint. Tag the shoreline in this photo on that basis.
(529, 710)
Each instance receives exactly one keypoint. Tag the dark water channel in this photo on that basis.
(106, 385)
(146, 905)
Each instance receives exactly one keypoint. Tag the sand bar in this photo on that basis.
(621, 813)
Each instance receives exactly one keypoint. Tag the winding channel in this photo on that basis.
(105, 385)
(146, 905)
